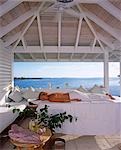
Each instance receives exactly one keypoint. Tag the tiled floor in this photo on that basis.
(83, 143)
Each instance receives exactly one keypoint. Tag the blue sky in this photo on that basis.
(63, 69)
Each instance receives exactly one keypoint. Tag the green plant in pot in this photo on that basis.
(43, 118)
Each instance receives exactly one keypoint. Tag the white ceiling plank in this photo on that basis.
(114, 11)
(11, 39)
(40, 30)
(9, 5)
(4, 30)
(54, 49)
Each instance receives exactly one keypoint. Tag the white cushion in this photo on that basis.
(75, 94)
(82, 89)
(98, 89)
(16, 96)
(31, 93)
(98, 97)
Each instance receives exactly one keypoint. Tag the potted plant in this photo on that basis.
(44, 119)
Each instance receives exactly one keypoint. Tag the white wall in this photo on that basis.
(5, 69)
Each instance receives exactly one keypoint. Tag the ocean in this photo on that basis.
(68, 82)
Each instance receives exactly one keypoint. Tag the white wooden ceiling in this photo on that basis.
(44, 30)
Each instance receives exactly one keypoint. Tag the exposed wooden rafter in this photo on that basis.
(77, 36)
(9, 5)
(59, 32)
(54, 49)
(4, 30)
(91, 27)
(114, 32)
(40, 30)
(11, 39)
(114, 11)
(28, 25)
(24, 43)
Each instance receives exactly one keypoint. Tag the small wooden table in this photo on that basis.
(45, 137)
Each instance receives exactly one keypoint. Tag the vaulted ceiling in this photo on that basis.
(49, 30)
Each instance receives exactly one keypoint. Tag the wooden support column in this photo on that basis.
(120, 76)
(12, 69)
(106, 71)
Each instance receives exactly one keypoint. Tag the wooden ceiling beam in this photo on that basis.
(11, 39)
(9, 5)
(76, 1)
(91, 27)
(78, 35)
(28, 25)
(4, 30)
(93, 45)
(114, 32)
(110, 8)
(40, 31)
(24, 43)
(54, 49)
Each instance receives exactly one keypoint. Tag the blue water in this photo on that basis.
(72, 83)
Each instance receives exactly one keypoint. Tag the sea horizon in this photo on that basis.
(70, 82)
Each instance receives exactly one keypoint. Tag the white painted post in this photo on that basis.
(106, 71)
(120, 76)
(12, 69)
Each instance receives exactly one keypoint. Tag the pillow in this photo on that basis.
(98, 89)
(15, 96)
(59, 97)
(75, 94)
(98, 97)
(30, 94)
(82, 89)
